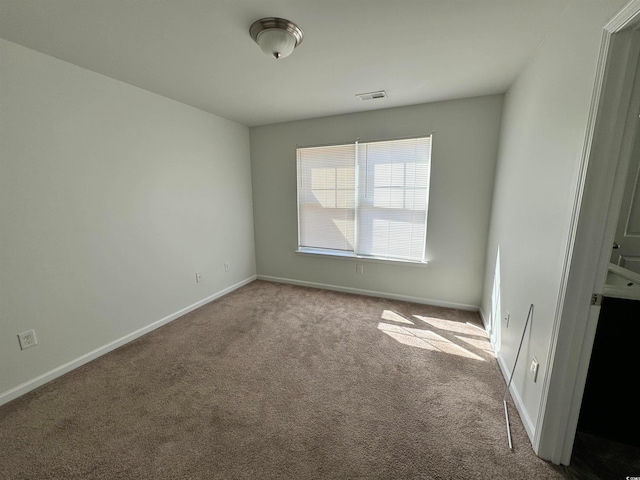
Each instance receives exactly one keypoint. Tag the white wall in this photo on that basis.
(111, 198)
(541, 146)
(465, 143)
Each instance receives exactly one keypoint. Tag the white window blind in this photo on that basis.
(365, 199)
(327, 197)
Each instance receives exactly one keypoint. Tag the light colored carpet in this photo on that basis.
(279, 382)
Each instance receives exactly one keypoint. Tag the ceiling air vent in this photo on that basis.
(372, 95)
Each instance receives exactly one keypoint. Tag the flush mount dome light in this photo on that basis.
(277, 37)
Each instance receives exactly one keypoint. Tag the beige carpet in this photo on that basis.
(279, 382)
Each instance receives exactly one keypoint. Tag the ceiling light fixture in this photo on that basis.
(277, 37)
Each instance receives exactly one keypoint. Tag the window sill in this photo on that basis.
(317, 252)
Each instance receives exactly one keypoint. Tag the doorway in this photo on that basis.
(607, 443)
(603, 444)
(605, 165)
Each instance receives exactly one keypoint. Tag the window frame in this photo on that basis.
(353, 254)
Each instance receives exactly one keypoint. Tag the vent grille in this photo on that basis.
(372, 95)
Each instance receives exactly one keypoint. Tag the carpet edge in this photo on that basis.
(371, 293)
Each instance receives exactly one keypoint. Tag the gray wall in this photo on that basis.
(111, 198)
(465, 143)
(541, 146)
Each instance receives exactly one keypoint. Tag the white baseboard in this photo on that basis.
(29, 385)
(371, 293)
(515, 394)
(517, 400)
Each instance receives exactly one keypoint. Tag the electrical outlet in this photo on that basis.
(533, 369)
(359, 268)
(226, 267)
(506, 320)
(198, 277)
(27, 339)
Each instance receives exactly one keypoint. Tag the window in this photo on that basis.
(366, 199)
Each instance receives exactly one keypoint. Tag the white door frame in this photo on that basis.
(592, 228)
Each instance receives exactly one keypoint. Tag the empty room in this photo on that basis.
(277, 239)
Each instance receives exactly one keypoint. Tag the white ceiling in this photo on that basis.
(199, 52)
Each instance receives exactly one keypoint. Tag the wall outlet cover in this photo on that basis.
(27, 339)
(533, 369)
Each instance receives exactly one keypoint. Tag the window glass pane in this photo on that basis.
(381, 213)
(393, 198)
(326, 197)
(388, 197)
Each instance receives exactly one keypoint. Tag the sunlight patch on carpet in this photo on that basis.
(452, 326)
(425, 339)
(395, 317)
